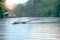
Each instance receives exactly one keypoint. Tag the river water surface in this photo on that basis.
(38, 29)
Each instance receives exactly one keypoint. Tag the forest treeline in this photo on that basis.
(37, 8)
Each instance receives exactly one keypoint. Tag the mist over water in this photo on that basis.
(37, 29)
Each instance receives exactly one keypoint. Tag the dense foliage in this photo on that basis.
(2, 8)
(36, 8)
(39, 8)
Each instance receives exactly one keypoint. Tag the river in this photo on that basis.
(41, 28)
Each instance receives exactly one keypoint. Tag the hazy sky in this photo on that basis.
(10, 4)
(17, 1)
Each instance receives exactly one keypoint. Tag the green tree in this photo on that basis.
(39, 8)
(2, 8)
(57, 10)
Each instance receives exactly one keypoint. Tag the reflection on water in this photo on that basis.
(2, 32)
(31, 30)
(44, 32)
